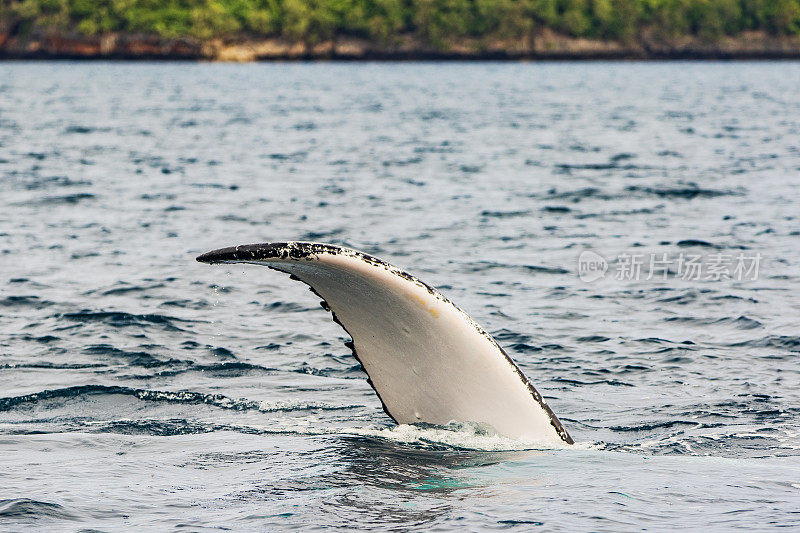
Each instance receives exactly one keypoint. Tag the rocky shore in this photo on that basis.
(546, 45)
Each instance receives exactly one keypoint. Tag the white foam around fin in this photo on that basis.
(463, 436)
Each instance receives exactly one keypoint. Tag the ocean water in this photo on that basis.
(140, 389)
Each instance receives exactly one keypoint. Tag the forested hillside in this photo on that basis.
(386, 24)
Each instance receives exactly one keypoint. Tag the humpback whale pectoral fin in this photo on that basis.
(426, 359)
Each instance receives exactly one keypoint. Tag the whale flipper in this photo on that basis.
(426, 359)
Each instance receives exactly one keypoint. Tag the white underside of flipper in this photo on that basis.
(427, 360)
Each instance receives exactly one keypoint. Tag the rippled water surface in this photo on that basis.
(139, 388)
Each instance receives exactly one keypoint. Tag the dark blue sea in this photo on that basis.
(142, 390)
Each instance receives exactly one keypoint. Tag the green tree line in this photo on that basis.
(434, 21)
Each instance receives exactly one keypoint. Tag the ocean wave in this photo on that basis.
(480, 266)
(740, 322)
(24, 301)
(751, 443)
(67, 199)
(28, 508)
(132, 358)
(223, 369)
(121, 319)
(783, 342)
(177, 397)
(53, 366)
(689, 192)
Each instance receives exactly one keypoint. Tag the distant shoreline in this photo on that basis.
(547, 47)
